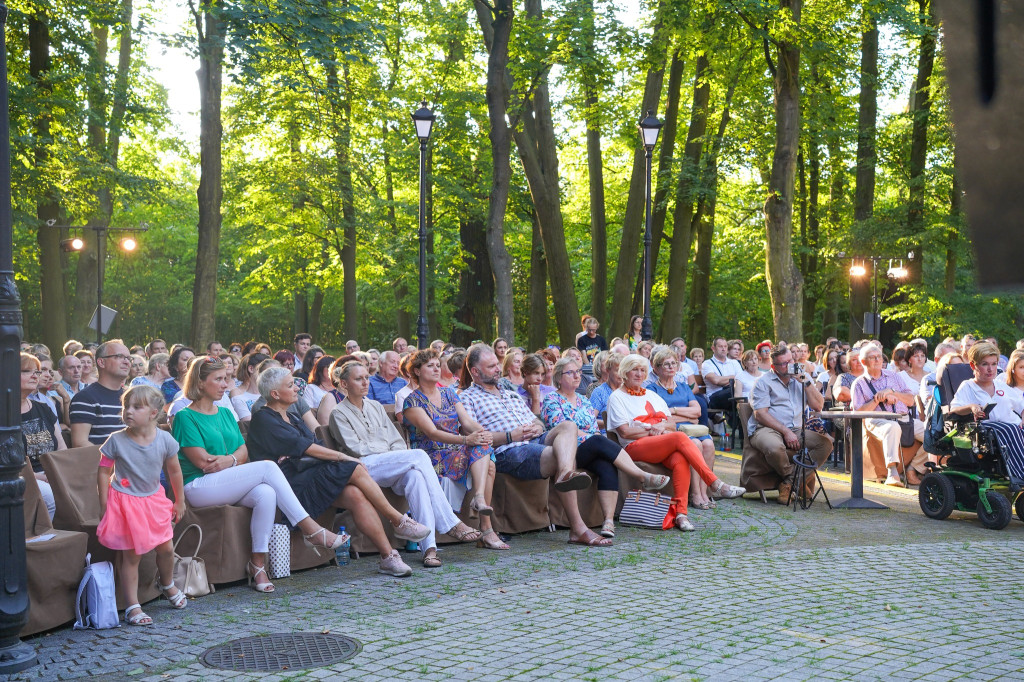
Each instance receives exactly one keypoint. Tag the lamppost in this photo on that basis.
(15, 655)
(128, 244)
(873, 325)
(423, 119)
(650, 128)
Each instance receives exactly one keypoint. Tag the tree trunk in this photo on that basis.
(864, 191)
(956, 196)
(700, 288)
(210, 32)
(537, 333)
(633, 218)
(784, 281)
(809, 257)
(686, 194)
(315, 309)
(595, 174)
(301, 325)
(538, 151)
(496, 26)
(665, 172)
(475, 308)
(52, 287)
(921, 101)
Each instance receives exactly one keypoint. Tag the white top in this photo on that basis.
(722, 368)
(913, 384)
(243, 402)
(1007, 399)
(684, 373)
(624, 408)
(313, 394)
(401, 395)
(747, 381)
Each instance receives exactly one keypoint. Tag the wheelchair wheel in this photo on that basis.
(1001, 511)
(1018, 506)
(937, 496)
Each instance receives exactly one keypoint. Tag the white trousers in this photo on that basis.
(47, 494)
(889, 432)
(410, 473)
(258, 485)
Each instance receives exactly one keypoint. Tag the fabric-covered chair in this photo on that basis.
(755, 474)
(71, 474)
(54, 566)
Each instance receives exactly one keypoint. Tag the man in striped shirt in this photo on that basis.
(96, 410)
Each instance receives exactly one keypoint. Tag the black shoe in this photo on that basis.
(718, 418)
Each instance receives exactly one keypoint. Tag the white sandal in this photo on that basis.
(683, 523)
(139, 618)
(179, 600)
(254, 573)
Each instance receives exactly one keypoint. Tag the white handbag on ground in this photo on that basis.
(280, 554)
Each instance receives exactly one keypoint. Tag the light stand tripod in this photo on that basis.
(805, 464)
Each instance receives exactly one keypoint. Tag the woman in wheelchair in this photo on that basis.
(1000, 405)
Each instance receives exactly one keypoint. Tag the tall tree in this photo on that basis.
(921, 105)
(864, 184)
(496, 24)
(595, 171)
(784, 281)
(104, 126)
(686, 193)
(632, 219)
(52, 286)
(210, 41)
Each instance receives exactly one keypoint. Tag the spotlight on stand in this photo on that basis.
(129, 244)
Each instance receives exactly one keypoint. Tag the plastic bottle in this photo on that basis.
(411, 546)
(343, 553)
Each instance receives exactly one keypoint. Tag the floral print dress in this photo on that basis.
(451, 460)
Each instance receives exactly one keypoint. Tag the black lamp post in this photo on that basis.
(15, 655)
(858, 268)
(650, 128)
(423, 119)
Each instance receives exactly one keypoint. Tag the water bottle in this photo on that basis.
(341, 554)
(411, 546)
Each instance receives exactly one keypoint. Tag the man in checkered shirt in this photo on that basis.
(521, 446)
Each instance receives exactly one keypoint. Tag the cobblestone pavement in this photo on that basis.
(759, 592)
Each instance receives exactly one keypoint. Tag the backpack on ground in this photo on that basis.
(96, 603)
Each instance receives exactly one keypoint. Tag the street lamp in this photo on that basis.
(15, 655)
(423, 119)
(128, 244)
(872, 321)
(650, 128)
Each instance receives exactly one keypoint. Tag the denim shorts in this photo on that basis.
(522, 461)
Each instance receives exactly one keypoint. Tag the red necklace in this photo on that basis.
(639, 393)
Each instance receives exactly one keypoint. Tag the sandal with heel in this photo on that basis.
(479, 506)
(254, 571)
(179, 600)
(307, 540)
(492, 543)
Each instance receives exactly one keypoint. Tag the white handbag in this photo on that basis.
(280, 554)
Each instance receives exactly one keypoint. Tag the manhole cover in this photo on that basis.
(281, 652)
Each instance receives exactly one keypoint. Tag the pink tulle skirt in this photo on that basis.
(136, 523)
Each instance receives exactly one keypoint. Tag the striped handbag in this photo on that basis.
(645, 509)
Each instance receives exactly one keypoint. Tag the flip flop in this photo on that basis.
(572, 480)
(591, 539)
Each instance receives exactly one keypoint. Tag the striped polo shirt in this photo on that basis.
(99, 407)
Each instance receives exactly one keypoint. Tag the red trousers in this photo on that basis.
(676, 452)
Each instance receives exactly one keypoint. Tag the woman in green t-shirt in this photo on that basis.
(216, 470)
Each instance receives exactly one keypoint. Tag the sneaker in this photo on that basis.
(894, 479)
(724, 490)
(392, 564)
(411, 529)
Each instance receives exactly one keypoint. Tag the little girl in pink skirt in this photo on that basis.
(136, 514)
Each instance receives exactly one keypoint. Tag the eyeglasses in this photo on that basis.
(119, 357)
(572, 372)
(33, 372)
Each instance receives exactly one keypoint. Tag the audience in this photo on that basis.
(88, 360)
(319, 382)
(612, 380)
(385, 384)
(40, 430)
(511, 370)
(363, 429)
(522, 447)
(748, 376)
(590, 343)
(70, 369)
(95, 411)
(533, 390)
(177, 364)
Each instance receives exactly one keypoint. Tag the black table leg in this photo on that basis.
(856, 499)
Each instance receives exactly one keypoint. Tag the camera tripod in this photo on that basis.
(805, 465)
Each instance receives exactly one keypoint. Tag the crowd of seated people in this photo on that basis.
(438, 424)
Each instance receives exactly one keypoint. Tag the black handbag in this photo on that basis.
(907, 438)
